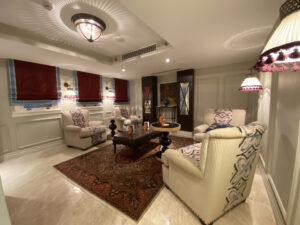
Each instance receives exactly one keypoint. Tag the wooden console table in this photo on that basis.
(172, 107)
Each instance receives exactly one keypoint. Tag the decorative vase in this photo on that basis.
(166, 101)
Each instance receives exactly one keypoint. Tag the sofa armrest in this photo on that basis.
(72, 128)
(172, 156)
(120, 118)
(95, 123)
(201, 128)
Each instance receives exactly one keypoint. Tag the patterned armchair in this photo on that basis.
(214, 118)
(79, 131)
(216, 175)
(124, 118)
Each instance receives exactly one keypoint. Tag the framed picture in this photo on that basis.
(168, 91)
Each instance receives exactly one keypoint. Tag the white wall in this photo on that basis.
(279, 107)
(23, 131)
(4, 216)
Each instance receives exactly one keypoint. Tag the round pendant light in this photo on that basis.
(282, 52)
(88, 26)
(251, 83)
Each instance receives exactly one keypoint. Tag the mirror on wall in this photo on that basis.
(184, 98)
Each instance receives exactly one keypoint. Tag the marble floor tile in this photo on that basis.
(37, 194)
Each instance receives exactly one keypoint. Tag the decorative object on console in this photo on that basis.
(79, 131)
(168, 94)
(219, 117)
(88, 26)
(228, 159)
(251, 83)
(185, 103)
(88, 88)
(33, 83)
(149, 91)
(281, 53)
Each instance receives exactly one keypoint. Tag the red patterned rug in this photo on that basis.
(129, 183)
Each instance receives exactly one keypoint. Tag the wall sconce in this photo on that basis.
(70, 93)
(110, 93)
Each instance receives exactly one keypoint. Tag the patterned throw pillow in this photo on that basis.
(124, 112)
(223, 116)
(78, 118)
(192, 152)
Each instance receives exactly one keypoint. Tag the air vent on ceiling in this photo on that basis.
(143, 52)
(138, 52)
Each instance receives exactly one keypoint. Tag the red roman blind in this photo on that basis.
(32, 82)
(121, 91)
(88, 87)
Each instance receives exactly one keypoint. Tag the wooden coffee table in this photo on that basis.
(138, 138)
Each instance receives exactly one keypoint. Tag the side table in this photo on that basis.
(112, 125)
(164, 140)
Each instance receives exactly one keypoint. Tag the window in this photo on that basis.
(33, 83)
(121, 91)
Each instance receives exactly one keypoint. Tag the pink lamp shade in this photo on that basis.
(282, 52)
(251, 84)
(70, 94)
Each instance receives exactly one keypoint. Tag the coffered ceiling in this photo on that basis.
(198, 34)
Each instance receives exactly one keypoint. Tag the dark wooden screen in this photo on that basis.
(149, 90)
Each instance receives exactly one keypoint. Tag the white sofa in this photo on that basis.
(221, 177)
(79, 131)
(232, 117)
(124, 117)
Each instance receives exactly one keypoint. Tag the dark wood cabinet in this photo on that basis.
(149, 90)
(185, 99)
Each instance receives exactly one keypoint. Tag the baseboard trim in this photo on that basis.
(276, 204)
(18, 153)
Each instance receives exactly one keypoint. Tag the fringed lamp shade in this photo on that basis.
(282, 50)
(251, 84)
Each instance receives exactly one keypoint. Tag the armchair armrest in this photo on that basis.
(72, 128)
(201, 128)
(172, 156)
(95, 123)
(120, 118)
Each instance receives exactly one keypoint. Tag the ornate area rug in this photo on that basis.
(129, 183)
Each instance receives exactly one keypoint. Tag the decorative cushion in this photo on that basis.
(90, 131)
(124, 112)
(192, 152)
(223, 116)
(217, 126)
(78, 118)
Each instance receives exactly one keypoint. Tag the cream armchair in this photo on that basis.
(125, 117)
(220, 177)
(225, 117)
(79, 131)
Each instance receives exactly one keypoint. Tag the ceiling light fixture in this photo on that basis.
(167, 60)
(251, 83)
(282, 52)
(123, 70)
(88, 26)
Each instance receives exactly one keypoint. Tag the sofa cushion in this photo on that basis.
(124, 112)
(217, 126)
(192, 152)
(223, 116)
(78, 118)
(89, 131)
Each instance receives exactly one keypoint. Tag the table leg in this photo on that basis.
(112, 127)
(115, 148)
(165, 141)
